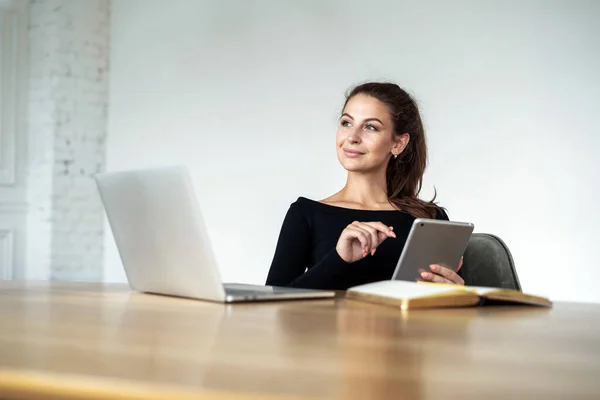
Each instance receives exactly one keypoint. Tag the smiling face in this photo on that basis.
(365, 138)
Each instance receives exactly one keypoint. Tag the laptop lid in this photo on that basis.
(160, 232)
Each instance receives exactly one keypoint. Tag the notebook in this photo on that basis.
(411, 295)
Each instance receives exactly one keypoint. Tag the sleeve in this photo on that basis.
(293, 254)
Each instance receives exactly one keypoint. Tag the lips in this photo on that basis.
(352, 153)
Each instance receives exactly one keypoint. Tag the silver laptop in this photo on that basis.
(163, 241)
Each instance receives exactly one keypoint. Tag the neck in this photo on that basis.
(366, 189)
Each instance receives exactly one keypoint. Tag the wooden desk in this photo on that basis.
(92, 341)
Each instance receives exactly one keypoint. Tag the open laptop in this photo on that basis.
(163, 241)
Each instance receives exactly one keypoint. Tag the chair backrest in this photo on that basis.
(488, 262)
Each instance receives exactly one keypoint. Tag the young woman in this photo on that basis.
(356, 235)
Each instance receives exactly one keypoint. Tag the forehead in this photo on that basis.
(362, 106)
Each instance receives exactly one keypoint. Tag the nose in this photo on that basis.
(353, 137)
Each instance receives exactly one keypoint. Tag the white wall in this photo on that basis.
(247, 94)
(67, 123)
(13, 157)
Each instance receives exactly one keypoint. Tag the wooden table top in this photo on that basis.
(67, 340)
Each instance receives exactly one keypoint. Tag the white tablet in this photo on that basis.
(432, 241)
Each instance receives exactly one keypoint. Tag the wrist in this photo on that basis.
(340, 255)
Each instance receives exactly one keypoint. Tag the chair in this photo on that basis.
(488, 262)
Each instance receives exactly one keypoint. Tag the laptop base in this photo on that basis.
(236, 293)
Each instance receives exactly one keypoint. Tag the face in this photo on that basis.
(365, 138)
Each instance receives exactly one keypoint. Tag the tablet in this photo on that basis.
(432, 241)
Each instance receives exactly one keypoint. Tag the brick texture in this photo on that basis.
(67, 113)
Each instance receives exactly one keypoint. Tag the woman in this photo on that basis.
(356, 235)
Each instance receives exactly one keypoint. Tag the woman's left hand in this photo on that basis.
(441, 274)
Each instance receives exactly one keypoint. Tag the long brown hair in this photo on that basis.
(404, 175)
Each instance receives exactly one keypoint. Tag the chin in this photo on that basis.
(359, 165)
(354, 165)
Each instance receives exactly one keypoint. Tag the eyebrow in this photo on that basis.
(368, 119)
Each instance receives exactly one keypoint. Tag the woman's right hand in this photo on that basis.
(360, 239)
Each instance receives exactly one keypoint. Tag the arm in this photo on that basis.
(292, 256)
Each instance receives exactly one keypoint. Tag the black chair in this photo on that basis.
(488, 262)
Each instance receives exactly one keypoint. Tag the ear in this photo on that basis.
(400, 143)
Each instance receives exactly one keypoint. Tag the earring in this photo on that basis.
(395, 156)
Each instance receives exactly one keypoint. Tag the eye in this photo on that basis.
(371, 127)
(345, 123)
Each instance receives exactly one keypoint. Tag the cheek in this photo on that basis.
(340, 136)
(380, 151)
(376, 145)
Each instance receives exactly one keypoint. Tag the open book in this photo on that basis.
(409, 295)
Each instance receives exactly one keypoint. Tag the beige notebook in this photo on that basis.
(407, 295)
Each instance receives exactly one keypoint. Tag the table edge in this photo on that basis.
(42, 385)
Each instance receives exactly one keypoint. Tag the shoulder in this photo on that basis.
(303, 205)
(302, 209)
(442, 214)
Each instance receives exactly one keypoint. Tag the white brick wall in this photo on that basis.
(67, 114)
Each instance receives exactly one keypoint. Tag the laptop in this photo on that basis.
(163, 242)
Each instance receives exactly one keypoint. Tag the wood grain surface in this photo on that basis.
(92, 341)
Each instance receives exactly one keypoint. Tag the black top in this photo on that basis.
(306, 257)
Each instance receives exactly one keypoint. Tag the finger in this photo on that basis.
(370, 240)
(355, 227)
(353, 232)
(443, 271)
(460, 264)
(373, 233)
(386, 230)
(431, 277)
(446, 273)
(357, 234)
(382, 231)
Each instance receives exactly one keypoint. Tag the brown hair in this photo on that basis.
(404, 175)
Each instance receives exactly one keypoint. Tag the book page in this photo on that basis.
(479, 290)
(403, 289)
(511, 295)
(482, 290)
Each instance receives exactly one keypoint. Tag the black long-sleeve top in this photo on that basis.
(306, 257)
